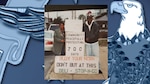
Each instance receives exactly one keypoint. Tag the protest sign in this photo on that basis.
(76, 65)
(75, 43)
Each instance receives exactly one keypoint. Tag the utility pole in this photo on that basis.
(73, 14)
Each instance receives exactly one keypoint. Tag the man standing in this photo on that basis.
(59, 40)
(91, 30)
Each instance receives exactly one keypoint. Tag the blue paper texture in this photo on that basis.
(22, 45)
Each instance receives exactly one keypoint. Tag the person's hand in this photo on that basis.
(62, 41)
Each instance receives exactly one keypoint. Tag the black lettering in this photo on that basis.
(80, 48)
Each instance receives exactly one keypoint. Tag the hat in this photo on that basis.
(89, 15)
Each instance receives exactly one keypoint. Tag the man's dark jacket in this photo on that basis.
(93, 34)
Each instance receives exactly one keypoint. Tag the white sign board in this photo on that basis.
(75, 43)
(74, 25)
(76, 64)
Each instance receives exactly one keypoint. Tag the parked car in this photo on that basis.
(48, 40)
(49, 37)
(53, 27)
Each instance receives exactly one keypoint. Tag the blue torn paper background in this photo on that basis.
(19, 22)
